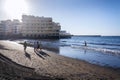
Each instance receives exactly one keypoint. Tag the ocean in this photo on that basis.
(101, 50)
(104, 50)
(109, 44)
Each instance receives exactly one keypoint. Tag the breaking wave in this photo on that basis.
(116, 52)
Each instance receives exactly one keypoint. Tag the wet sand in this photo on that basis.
(47, 63)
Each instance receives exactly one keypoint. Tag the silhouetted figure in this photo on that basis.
(25, 46)
(38, 46)
(35, 46)
(85, 43)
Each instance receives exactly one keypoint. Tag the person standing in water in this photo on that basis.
(85, 43)
(25, 46)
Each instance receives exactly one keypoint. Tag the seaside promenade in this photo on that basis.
(53, 66)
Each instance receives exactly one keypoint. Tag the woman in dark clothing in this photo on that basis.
(38, 46)
(25, 45)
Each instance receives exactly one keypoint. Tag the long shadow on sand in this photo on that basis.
(41, 54)
(44, 54)
(27, 55)
(2, 47)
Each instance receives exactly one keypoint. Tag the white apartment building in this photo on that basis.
(16, 26)
(39, 27)
(11, 27)
(8, 25)
(2, 30)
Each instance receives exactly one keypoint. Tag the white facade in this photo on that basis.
(39, 27)
(8, 25)
(16, 25)
(11, 27)
(2, 30)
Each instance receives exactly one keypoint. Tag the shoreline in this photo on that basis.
(56, 65)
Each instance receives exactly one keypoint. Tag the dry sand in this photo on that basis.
(55, 65)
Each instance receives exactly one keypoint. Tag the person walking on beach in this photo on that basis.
(35, 46)
(25, 45)
(38, 46)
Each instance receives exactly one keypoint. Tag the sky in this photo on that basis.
(78, 17)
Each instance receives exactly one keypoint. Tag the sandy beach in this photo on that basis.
(50, 64)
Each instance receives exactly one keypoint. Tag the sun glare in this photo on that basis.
(15, 8)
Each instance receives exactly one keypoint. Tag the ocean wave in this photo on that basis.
(116, 52)
(109, 44)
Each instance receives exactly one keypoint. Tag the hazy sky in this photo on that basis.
(82, 17)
